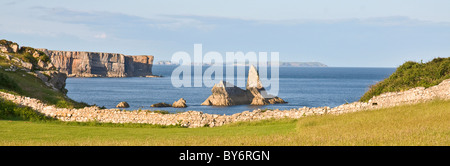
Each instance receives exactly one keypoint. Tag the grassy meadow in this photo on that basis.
(419, 124)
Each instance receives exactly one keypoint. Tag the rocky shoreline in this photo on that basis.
(194, 119)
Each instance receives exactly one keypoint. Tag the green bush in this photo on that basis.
(8, 84)
(411, 75)
(6, 42)
(44, 57)
(29, 58)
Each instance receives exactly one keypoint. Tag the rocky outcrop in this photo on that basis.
(179, 104)
(8, 46)
(226, 94)
(199, 119)
(42, 70)
(161, 105)
(99, 64)
(260, 95)
(53, 79)
(123, 104)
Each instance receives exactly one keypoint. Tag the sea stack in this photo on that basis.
(179, 104)
(226, 94)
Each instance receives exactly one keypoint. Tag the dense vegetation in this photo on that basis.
(6, 42)
(8, 84)
(411, 75)
(28, 53)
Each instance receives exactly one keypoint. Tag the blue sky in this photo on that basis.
(349, 33)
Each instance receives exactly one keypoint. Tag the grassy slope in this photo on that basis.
(420, 124)
(411, 75)
(31, 86)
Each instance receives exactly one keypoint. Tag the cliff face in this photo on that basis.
(98, 64)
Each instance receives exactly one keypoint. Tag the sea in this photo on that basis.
(299, 86)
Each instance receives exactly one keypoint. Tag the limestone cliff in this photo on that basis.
(99, 64)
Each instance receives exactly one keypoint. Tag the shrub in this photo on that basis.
(43, 57)
(411, 75)
(8, 83)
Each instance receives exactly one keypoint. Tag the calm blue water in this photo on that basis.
(300, 86)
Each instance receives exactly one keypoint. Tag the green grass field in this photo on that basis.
(420, 124)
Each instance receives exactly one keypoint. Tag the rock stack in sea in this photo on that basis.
(226, 94)
(123, 104)
(180, 103)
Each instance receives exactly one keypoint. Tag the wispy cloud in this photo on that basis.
(111, 19)
(330, 41)
(100, 36)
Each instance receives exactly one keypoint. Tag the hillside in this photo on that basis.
(411, 75)
(28, 72)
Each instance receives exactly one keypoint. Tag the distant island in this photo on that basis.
(303, 64)
(283, 64)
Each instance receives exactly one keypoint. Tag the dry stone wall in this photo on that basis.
(199, 119)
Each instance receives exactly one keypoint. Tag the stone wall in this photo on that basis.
(199, 119)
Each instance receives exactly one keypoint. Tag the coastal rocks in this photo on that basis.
(253, 80)
(276, 100)
(161, 105)
(8, 46)
(98, 64)
(254, 86)
(138, 66)
(123, 104)
(6, 56)
(179, 104)
(226, 94)
(44, 65)
(19, 62)
(53, 79)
